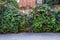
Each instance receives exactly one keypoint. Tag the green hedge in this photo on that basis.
(44, 19)
(57, 16)
(51, 2)
(13, 3)
(11, 19)
(41, 19)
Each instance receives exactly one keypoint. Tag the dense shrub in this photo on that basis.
(51, 2)
(57, 16)
(42, 19)
(11, 2)
(12, 20)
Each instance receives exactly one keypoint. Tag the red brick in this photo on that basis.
(27, 3)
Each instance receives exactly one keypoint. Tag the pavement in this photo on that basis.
(30, 36)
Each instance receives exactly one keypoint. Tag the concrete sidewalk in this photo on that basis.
(30, 36)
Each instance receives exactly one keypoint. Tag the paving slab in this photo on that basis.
(30, 36)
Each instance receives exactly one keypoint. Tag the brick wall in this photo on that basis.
(27, 3)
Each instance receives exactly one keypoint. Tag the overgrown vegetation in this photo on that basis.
(44, 19)
(11, 2)
(41, 18)
(51, 2)
(57, 16)
(11, 19)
